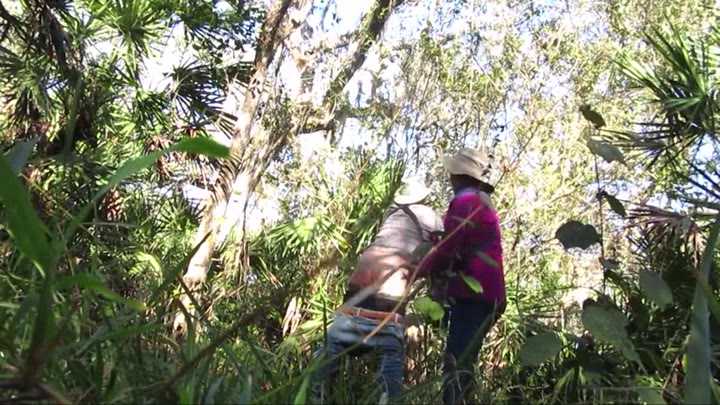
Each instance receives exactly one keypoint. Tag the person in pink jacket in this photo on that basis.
(466, 268)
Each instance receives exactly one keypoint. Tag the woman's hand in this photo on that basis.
(436, 237)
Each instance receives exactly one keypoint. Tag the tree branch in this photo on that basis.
(370, 29)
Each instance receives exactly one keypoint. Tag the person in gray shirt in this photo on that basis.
(378, 288)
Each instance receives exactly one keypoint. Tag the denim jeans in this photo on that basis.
(348, 331)
(469, 322)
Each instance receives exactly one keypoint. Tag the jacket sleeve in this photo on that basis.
(458, 223)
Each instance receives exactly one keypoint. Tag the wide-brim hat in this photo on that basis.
(412, 191)
(475, 163)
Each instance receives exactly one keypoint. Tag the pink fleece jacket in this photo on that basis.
(472, 232)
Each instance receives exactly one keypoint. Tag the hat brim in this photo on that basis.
(412, 198)
(454, 167)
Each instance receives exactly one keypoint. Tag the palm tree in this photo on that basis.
(72, 78)
(682, 150)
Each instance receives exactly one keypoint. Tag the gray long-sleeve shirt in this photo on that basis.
(399, 231)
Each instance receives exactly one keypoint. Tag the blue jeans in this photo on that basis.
(469, 322)
(348, 331)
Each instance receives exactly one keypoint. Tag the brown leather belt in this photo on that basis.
(377, 315)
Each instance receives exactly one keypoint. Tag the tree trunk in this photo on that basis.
(253, 148)
(238, 167)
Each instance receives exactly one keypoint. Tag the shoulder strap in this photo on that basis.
(389, 212)
(415, 220)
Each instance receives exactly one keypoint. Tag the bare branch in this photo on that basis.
(370, 29)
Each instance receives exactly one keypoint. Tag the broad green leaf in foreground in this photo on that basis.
(427, 307)
(608, 326)
(615, 204)
(698, 378)
(301, 396)
(31, 239)
(610, 153)
(202, 146)
(575, 234)
(28, 232)
(651, 395)
(592, 116)
(487, 259)
(18, 156)
(655, 288)
(471, 283)
(540, 348)
(246, 391)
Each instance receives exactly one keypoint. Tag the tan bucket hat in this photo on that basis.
(470, 162)
(412, 191)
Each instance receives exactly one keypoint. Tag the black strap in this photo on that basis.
(416, 221)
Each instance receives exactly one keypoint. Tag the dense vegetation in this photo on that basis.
(186, 185)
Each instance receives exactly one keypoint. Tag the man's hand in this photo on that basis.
(412, 329)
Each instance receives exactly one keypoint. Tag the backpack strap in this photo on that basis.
(416, 221)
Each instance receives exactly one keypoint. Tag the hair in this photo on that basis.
(466, 180)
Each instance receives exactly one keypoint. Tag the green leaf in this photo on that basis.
(610, 153)
(608, 326)
(437, 312)
(152, 260)
(131, 167)
(698, 378)
(593, 116)
(713, 302)
(201, 145)
(24, 225)
(471, 283)
(540, 348)
(429, 308)
(18, 156)
(44, 330)
(422, 304)
(94, 284)
(615, 204)
(464, 221)
(422, 250)
(655, 288)
(184, 395)
(246, 391)
(126, 170)
(487, 259)
(575, 234)
(716, 392)
(651, 395)
(301, 396)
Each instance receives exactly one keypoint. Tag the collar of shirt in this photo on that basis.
(466, 190)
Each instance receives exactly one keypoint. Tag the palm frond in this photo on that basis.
(197, 91)
(216, 30)
(139, 25)
(663, 223)
(668, 242)
(684, 91)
